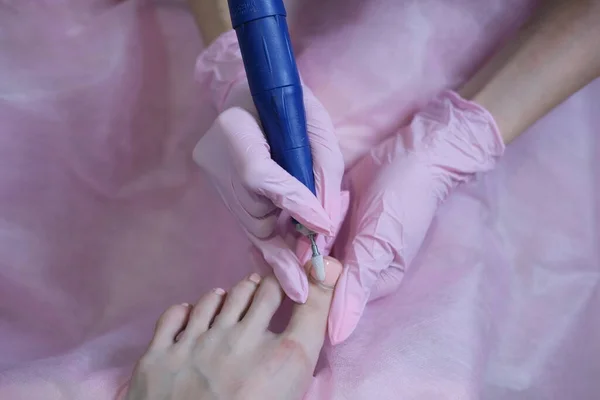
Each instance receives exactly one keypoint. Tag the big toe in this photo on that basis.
(308, 324)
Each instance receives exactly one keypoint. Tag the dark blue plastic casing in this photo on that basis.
(274, 82)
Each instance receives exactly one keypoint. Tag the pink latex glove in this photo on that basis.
(235, 155)
(395, 191)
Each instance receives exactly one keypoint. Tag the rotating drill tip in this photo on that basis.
(317, 259)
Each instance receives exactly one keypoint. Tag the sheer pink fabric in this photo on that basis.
(105, 220)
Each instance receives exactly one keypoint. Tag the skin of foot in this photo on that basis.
(221, 348)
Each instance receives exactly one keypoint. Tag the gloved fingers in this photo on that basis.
(324, 243)
(349, 301)
(286, 266)
(257, 214)
(249, 151)
(328, 162)
(365, 258)
(210, 154)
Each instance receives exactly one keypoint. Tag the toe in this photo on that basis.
(308, 324)
(237, 302)
(169, 325)
(203, 314)
(266, 301)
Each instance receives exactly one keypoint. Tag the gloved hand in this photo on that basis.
(235, 155)
(395, 191)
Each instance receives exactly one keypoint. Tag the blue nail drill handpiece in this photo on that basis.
(274, 82)
(266, 48)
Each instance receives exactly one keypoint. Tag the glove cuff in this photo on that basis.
(459, 137)
(219, 67)
(480, 121)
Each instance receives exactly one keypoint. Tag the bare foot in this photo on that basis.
(220, 349)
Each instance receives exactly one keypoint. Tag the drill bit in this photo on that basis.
(317, 259)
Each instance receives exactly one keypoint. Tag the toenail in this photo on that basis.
(333, 269)
(219, 291)
(254, 278)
